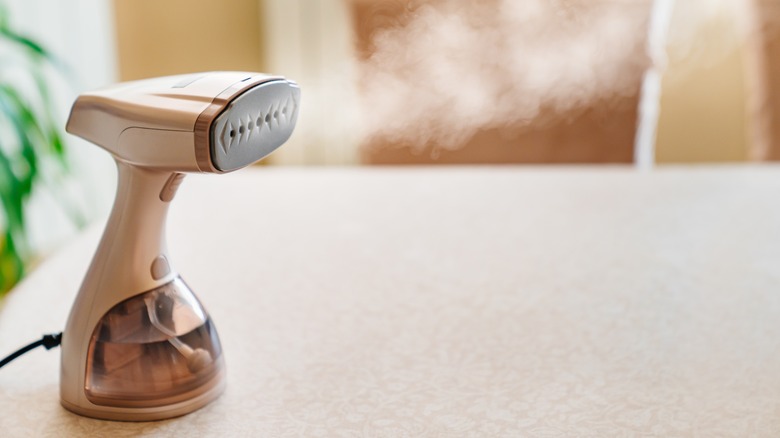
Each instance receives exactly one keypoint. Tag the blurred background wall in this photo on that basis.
(158, 38)
(434, 81)
(708, 85)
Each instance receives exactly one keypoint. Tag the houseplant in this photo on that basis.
(32, 152)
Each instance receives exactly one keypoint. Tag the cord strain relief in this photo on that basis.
(51, 341)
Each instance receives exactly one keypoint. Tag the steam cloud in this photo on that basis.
(458, 67)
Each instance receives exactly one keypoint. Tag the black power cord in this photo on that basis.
(48, 341)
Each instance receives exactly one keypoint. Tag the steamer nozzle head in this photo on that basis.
(207, 122)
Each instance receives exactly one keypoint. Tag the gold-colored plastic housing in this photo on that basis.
(138, 346)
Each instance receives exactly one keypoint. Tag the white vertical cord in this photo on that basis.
(650, 97)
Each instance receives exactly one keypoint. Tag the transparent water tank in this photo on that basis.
(154, 349)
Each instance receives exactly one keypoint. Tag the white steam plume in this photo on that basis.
(458, 67)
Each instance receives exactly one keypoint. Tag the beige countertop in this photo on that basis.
(490, 301)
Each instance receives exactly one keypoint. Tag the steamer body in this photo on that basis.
(138, 345)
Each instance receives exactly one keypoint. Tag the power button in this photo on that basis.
(169, 189)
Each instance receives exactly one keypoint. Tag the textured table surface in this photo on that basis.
(590, 301)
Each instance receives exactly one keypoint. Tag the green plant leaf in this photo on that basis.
(3, 16)
(11, 264)
(33, 47)
(12, 198)
(48, 119)
(36, 142)
(26, 129)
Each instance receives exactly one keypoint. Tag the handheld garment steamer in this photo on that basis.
(138, 345)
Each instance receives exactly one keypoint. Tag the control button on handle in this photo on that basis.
(169, 189)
